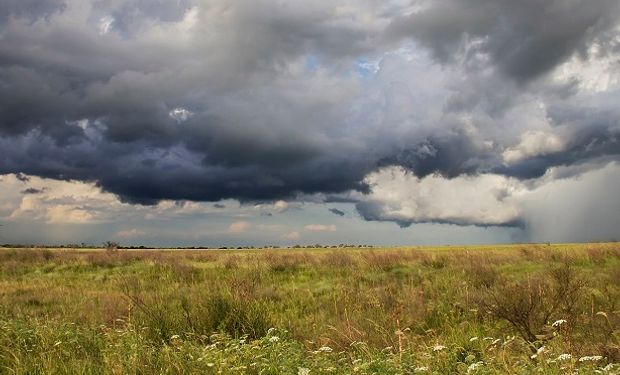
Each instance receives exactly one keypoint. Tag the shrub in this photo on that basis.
(530, 304)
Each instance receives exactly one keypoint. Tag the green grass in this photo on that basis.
(441, 310)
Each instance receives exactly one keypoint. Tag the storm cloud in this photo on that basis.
(263, 101)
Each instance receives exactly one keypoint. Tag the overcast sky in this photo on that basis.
(251, 122)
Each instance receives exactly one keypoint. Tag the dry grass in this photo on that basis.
(357, 301)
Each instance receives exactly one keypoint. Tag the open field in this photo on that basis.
(446, 310)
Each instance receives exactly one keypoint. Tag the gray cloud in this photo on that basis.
(523, 39)
(29, 9)
(336, 211)
(32, 191)
(258, 102)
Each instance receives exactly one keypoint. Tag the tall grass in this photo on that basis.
(515, 309)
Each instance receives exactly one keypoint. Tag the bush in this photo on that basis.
(530, 305)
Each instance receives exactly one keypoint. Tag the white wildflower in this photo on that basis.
(558, 322)
(474, 366)
(438, 348)
(590, 358)
(420, 369)
(325, 349)
(274, 339)
(564, 357)
(303, 371)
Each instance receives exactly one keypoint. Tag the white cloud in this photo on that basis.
(280, 206)
(180, 114)
(566, 204)
(130, 233)
(239, 227)
(67, 214)
(402, 197)
(105, 24)
(57, 201)
(533, 143)
(593, 74)
(320, 228)
(292, 236)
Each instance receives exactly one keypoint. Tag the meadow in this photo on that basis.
(506, 309)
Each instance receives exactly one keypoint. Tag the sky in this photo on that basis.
(257, 122)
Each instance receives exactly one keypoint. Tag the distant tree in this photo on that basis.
(110, 245)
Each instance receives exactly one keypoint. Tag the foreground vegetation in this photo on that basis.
(505, 309)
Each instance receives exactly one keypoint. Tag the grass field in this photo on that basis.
(540, 309)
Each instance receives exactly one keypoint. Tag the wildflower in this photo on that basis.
(274, 339)
(325, 349)
(474, 366)
(558, 323)
(590, 358)
(303, 371)
(420, 369)
(438, 348)
(564, 357)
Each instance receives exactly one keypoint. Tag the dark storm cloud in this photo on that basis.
(251, 100)
(589, 145)
(336, 211)
(178, 175)
(593, 134)
(22, 177)
(32, 191)
(450, 154)
(524, 39)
